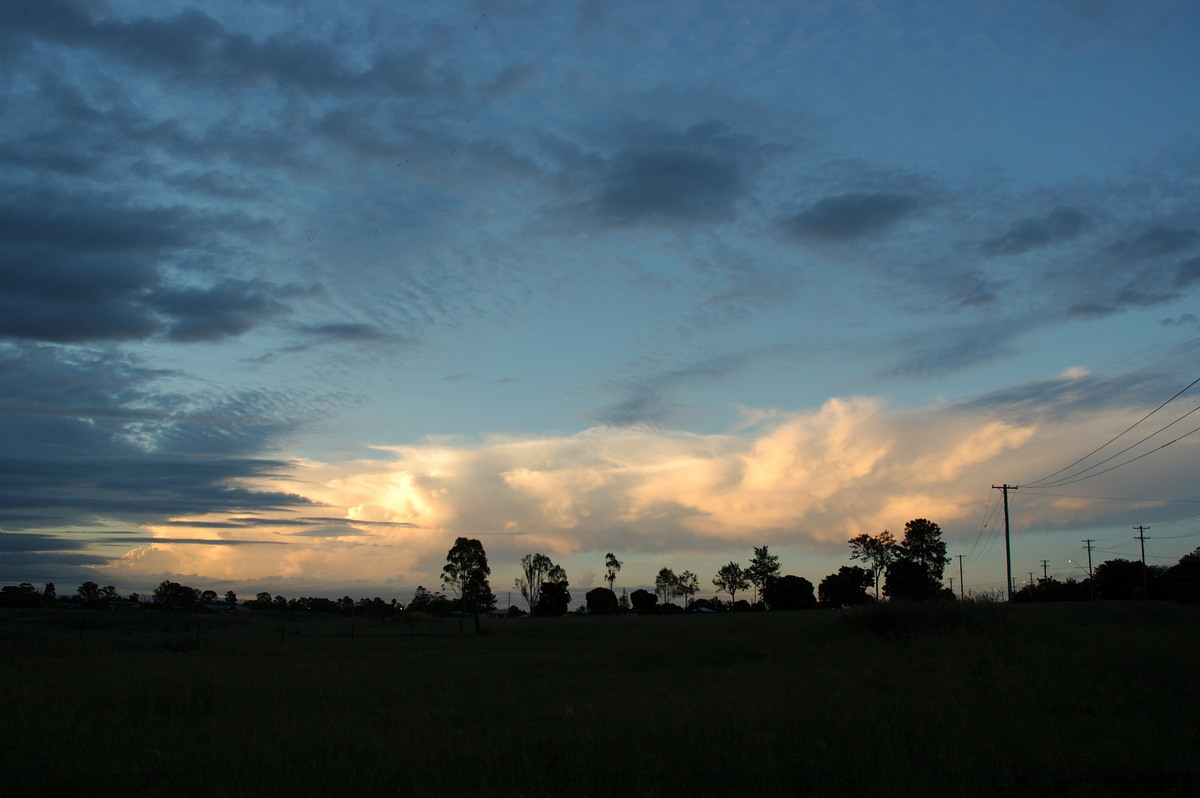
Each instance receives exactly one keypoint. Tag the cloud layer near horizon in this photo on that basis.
(807, 481)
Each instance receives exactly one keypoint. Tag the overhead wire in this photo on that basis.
(1046, 478)
(1080, 477)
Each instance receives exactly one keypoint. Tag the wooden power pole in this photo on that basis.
(1007, 545)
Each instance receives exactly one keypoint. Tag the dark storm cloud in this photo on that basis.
(1188, 272)
(87, 437)
(195, 47)
(229, 308)
(1157, 242)
(1139, 272)
(1060, 224)
(844, 217)
(85, 266)
(692, 176)
(343, 331)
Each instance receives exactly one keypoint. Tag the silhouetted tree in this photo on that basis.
(644, 602)
(731, 578)
(916, 574)
(623, 602)
(789, 593)
(1050, 589)
(49, 595)
(230, 597)
(555, 598)
(763, 567)
(174, 596)
(1125, 579)
(21, 596)
(687, 586)
(208, 596)
(535, 570)
(1182, 580)
(601, 601)
(665, 584)
(847, 587)
(466, 572)
(611, 566)
(90, 593)
(420, 600)
(879, 552)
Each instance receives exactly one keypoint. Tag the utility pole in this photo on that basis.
(952, 584)
(1091, 581)
(1031, 580)
(960, 577)
(1007, 547)
(1045, 576)
(1145, 578)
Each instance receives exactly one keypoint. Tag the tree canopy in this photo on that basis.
(789, 593)
(731, 578)
(466, 572)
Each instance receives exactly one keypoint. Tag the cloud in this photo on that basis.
(197, 48)
(1156, 242)
(228, 308)
(694, 175)
(90, 440)
(80, 266)
(805, 479)
(1060, 224)
(844, 217)
(647, 399)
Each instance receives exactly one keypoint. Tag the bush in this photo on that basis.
(601, 601)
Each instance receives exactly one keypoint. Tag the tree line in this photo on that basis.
(909, 569)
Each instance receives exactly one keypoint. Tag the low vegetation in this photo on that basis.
(1088, 698)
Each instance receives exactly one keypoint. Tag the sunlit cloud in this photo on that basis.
(807, 480)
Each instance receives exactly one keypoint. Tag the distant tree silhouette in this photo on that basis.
(623, 602)
(763, 567)
(879, 552)
(1182, 580)
(686, 586)
(174, 596)
(466, 572)
(644, 602)
(535, 570)
(611, 566)
(1126, 579)
(21, 596)
(789, 593)
(90, 593)
(230, 597)
(208, 596)
(1050, 589)
(665, 584)
(731, 578)
(554, 598)
(49, 595)
(601, 601)
(847, 587)
(916, 573)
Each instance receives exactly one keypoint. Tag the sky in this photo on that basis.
(292, 294)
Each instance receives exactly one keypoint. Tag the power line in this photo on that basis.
(1079, 478)
(1114, 438)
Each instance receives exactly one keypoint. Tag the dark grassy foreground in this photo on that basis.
(1083, 700)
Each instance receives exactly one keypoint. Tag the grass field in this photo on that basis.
(1078, 700)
